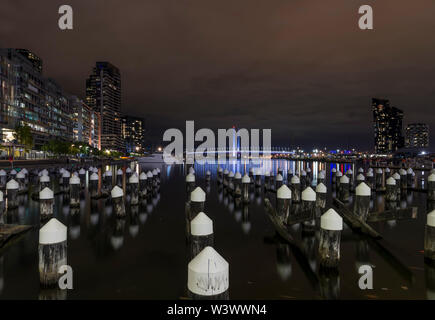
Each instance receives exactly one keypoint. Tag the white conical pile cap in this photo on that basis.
(226, 171)
(1, 196)
(220, 169)
(333, 170)
(128, 170)
(363, 190)
(259, 172)
(279, 177)
(46, 194)
(12, 184)
(402, 172)
(208, 173)
(360, 170)
(208, 273)
(197, 195)
(143, 176)
(231, 174)
(308, 194)
(116, 192)
(82, 171)
(320, 188)
(308, 170)
(379, 171)
(158, 170)
(321, 175)
(13, 172)
(267, 173)
(387, 170)
(432, 171)
(349, 171)
(2, 173)
(21, 175)
(431, 219)
(45, 172)
(75, 173)
(94, 176)
(74, 180)
(391, 181)
(154, 172)
(409, 171)
(344, 179)
(149, 174)
(190, 177)
(303, 173)
(396, 176)
(284, 192)
(238, 176)
(52, 232)
(191, 170)
(360, 177)
(66, 174)
(431, 178)
(25, 171)
(331, 220)
(370, 169)
(339, 174)
(246, 179)
(201, 225)
(370, 174)
(44, 178)
(133, 179)
(108, 173)
(295, 180)
(119, 172)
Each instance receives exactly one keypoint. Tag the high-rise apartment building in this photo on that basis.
(387, 126)
(417, 135)
(133, 133)
(86, 123)
(28, 98)
(103, 94)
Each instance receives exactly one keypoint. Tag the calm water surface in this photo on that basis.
(145, 256)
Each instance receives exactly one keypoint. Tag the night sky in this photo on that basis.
(300, 67)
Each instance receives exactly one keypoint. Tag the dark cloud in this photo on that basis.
(302, 68)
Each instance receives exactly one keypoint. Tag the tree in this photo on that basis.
(24, 136)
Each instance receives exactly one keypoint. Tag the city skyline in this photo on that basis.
(310, 88)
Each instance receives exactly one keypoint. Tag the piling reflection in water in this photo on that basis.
(329, 282)
(117, 238)
(283, 261)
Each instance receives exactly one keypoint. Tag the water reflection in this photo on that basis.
(52, 294)
(98, 240)
(283, 261)
(329, 283)
(429, 273)
(117, 238)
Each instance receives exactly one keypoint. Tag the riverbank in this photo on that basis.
(5, 164)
